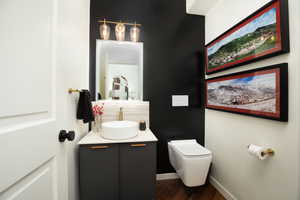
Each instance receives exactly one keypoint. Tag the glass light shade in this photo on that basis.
(120, 31)
(134, 34)
(104, 31)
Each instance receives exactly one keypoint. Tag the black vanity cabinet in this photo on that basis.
(137, 171)
(118, 171)
(99, 172)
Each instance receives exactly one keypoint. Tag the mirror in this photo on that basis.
(119, 70)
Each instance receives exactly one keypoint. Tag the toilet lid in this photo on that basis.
(190, 148)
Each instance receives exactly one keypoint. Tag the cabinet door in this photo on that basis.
(99, 172)
(137, 171)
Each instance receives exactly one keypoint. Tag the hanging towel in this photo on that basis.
(84, 109)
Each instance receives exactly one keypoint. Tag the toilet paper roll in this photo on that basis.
(257, 151)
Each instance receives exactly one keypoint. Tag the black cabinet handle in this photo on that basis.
(63, 135)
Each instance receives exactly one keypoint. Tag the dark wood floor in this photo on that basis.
(175, 190)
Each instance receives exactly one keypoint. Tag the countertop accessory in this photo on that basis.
(121, 114)
(98, 111)
(142, 125)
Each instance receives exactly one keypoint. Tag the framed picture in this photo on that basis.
(263, 34)
(261, 92)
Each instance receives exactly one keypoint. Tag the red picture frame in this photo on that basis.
(244, 44)
(260, 92)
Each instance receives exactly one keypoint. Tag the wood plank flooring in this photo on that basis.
(175, 190)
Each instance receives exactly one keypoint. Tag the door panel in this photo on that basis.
(25, 150)
(29, 144)
(26, 61)
(34, 185)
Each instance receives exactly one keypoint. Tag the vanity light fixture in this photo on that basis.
(134, 33)
(104, 31)
(120, 31)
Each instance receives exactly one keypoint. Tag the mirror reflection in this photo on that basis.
(119, 70)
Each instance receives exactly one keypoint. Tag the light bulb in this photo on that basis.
(120, 31)
(104, 31)
(134, 34)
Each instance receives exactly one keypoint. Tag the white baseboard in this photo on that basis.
(221, 189)
(166, 176)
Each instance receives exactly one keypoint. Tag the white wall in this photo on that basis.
(227, 135)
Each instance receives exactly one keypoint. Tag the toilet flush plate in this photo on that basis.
(180, 100)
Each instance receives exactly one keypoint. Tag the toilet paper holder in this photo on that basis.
(269, 151)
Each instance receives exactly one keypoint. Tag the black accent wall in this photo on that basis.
(173, 64)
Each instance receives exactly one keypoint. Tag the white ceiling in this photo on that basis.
(199, 7)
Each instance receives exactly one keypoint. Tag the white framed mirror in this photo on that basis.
(119, 70)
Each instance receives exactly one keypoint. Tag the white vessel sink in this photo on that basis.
(119, 130)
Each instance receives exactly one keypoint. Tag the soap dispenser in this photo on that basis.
(121, 114)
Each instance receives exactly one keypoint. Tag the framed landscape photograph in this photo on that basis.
(263, 34)
(261, 92)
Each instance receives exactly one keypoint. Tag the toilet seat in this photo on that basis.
(190, 148)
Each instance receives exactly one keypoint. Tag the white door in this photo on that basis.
(33, 69)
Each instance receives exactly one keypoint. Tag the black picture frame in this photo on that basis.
(235, 58)
(280, 93)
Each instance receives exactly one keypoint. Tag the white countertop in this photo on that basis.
(95, 138)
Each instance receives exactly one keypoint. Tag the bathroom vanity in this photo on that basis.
(118, 169)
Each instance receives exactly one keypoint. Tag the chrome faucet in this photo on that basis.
(121, 114)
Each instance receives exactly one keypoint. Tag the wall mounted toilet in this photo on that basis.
(190, 160)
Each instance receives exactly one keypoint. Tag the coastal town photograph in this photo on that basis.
(256, 37)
